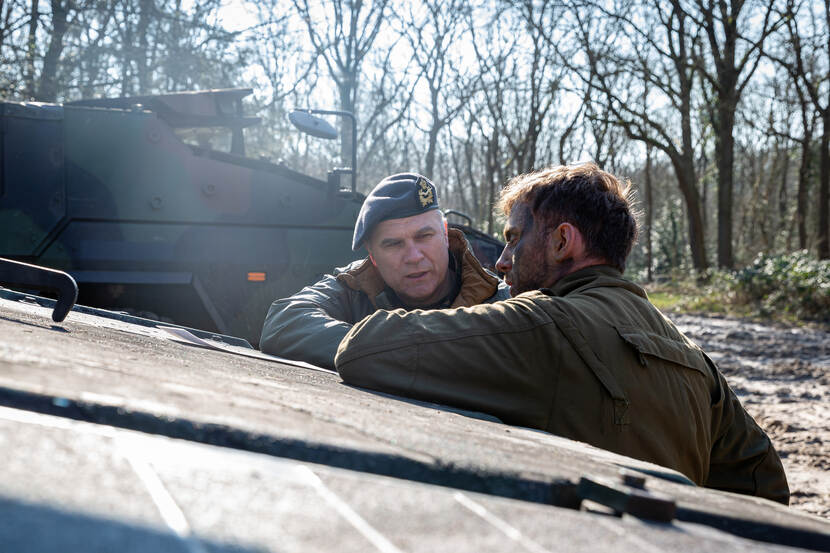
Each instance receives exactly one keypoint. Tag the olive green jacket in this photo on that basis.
(309, 325)
(591, 360)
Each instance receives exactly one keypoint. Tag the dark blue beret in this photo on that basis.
(395, 197)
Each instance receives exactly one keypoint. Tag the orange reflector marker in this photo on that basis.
(256, 277)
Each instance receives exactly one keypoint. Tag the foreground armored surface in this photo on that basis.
(118, 436)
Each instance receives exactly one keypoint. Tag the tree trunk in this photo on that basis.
(783, 194)
(126, 78)
(31, 50)
(803, 188)
(429, 164)
(684, 170)
(649, 216)
(824, 187)
(824, 158)
(725, 158)
(346, 89)
(6, 18)
(704, 201)
(142, 68)
(492, 160)
(48, 87)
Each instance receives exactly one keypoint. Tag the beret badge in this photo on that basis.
(425, 194)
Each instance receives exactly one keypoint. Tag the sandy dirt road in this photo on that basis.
(782, 375)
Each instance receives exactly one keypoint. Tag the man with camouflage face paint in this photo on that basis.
(579, 351)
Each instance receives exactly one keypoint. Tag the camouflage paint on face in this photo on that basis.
(524, 261)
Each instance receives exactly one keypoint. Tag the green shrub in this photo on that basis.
(794, 284)
(789, 287)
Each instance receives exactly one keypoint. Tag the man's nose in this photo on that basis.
(413, 254)
(504, 263)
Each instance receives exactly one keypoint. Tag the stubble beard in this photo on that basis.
(540, 271)
(533, 273)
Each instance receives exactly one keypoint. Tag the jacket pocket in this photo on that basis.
(648, 344)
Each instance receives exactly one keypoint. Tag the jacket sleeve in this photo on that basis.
(450, 356)
(743, 459)
(309, 325)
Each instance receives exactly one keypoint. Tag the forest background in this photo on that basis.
(717, 110)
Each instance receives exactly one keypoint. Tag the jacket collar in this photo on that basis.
(595, 276)
(477, 284)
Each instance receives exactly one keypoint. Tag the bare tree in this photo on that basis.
(464, 150)
(385, 106)
(728, 64)
(536, 81)
(11, 16)
(432, 38)
(520, 80)
(47, 90)
(284, 82)
(343, 36)
(488, 119)
(649, 211)
(31, 49)
(792, 118)
(806, 59)
(15, 51)
(624, 58)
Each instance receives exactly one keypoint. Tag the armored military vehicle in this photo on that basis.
(126, 196)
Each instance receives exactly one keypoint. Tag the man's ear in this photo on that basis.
(565, 242)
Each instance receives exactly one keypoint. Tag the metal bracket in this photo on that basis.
(625, 498)
(24, 275)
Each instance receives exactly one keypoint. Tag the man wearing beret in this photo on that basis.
(579, 351)
(414, 262)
